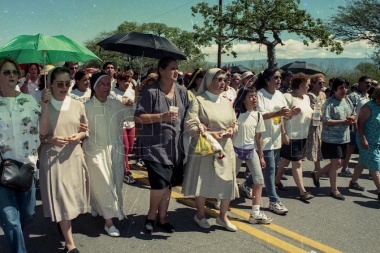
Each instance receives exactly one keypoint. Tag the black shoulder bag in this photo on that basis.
(16, 175)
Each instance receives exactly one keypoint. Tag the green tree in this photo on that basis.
(182, 39)
(358, 20)
(261, 22)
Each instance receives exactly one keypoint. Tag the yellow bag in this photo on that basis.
(203, 147)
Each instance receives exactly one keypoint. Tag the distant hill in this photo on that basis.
(326, 64)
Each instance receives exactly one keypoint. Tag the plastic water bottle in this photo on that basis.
(317, 113)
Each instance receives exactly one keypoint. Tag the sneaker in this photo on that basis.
(277, 208)
(247, 190)
(140, 163)
(281, 187)
(261, 218)
(112, 231)
(346, 173)
(203, 223)
(128, 178)
(356, 186)
(306, 196)
(247, 174)
(217, 203)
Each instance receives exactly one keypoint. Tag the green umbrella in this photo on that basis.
(45, 49)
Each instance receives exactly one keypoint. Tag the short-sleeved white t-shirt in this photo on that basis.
(250, 123)
(267, 103)
(297, 128)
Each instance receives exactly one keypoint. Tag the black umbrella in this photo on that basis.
(142, 44)
(239, 69)
(301, 66)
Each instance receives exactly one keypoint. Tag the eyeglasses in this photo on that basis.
(277, 77)
(321, 82)
(220, 79)
(9, 72)
(61, 85)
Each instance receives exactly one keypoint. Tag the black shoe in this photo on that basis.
(284, 178)
(281, 187)
(356, 186)
(149, 226)
(315, 180)
(74, 250)
(166, 227)
(337, 196)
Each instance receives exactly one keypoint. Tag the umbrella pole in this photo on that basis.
(44, 68)
(142, 58)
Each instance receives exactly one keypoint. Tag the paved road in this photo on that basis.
(321, 225)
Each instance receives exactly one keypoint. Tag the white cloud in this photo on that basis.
(291, 50)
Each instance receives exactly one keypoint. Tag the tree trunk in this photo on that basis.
(220, 36)
(271, 55)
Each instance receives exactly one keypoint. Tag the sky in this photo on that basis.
(83, 20)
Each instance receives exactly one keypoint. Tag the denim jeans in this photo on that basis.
(271, 157)
(16, 208)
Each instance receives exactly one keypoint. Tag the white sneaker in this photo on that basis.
(217, 203)
(112, 231)
(278, 208)
(203, 223)
(261, 218)
(248, 191)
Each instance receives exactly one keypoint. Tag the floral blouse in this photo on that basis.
(19, 128)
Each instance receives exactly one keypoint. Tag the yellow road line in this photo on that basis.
(250, 229)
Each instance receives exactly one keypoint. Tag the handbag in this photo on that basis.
(245, 153)
(16, 175)
(203, 147)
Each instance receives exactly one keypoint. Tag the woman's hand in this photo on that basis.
(217, 135)
(169, 116)
(285, 112)
(75, 138)
(228, 133)
(285, 139)
(83, 127)
(59, 141)
(262, 162)
(295, 110)
(46, 96)
(129, 102)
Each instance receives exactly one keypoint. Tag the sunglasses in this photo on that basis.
(220, 79)
(61, 85)
(9, 72)
(72, 68)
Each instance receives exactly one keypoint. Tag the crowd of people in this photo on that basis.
(79, 128)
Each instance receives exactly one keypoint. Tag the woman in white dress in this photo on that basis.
(104, 152)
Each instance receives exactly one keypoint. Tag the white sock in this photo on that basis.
(255, 209)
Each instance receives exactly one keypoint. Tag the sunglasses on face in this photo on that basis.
(61, 85)
(220, 79)
(72, 68)
(9, 72)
